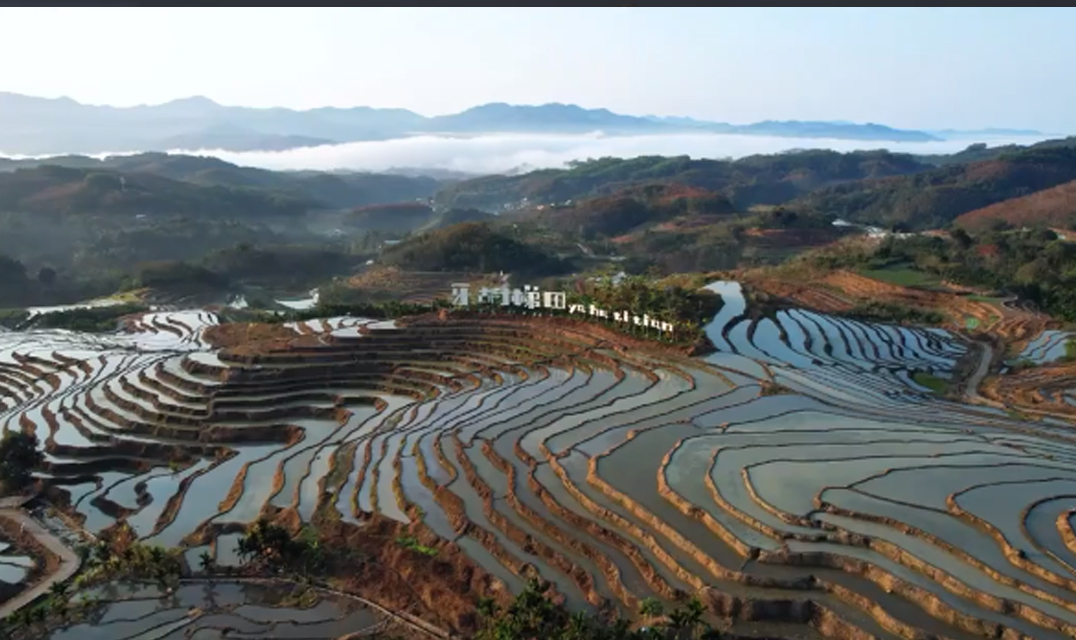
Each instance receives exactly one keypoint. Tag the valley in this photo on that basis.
(606, 323)
(861, 427)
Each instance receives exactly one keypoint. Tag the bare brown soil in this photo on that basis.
(46, 563)
(235, 334)
(1053, 207)
(840, 291)
(392, 283)
(443, 589)
(605, 336)
(790, 238)
(1036, 390)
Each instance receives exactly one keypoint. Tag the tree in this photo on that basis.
(58, 596)
(651, 608)
(533, 615)
(206, 561)
(11, 270)
(961, 237)
(19, 458)
(685, 620)
(46, 276)
(102, 552)
(58, 589)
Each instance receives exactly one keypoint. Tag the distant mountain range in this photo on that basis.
(42, 126)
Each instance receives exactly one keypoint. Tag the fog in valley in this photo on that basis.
(500, 153)
(483, 154)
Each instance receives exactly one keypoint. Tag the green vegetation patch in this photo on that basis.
(412, 543)
(534, 615)
(1070, 350)
(472, 247)
(688, 309)
(92, 320)
(904, 275)
(876, 311)
(994, 300)
(934, 383)
(13, 318)
(19, 458)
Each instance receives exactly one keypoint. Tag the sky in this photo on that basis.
(923, 68)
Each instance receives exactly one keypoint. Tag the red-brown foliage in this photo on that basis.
(1054, 207)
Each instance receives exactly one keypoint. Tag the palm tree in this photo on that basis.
(156, 555)
(58, 590)
(206, 561)
(244, 549)
(651, 608)
(102, 552)
(20, 618)
(695, 611)
(487, 608)
(578, 626)
(678, 623)
(620, 629)
(38, 614)
(684, 621)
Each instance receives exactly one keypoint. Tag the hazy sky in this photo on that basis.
(921, 68)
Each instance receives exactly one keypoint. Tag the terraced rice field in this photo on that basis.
(1048, 346)
(852, 500)
(213, 611)
(14, 567)
(1045, 388)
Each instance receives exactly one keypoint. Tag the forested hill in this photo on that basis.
(61, 190)
(876, 187)
(770, 179)
(474, 247)
(933, 199)
(328, 190)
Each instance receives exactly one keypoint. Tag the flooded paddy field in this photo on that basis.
(215, 610)
(14, 567)
(801, 463)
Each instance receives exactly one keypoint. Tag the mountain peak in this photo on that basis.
(196, 119)
(191, 101)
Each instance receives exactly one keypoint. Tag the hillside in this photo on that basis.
(626, 209)
(458, 216)
(400, 217)
(763, 179)
(406, 217)
(980, 151)
(333, 190)
(473, 247)
(61, 190)
(669, 227)
(708, 242)
(1053, 207)
(935, 198)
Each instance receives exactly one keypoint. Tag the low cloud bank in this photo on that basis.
(502, 153)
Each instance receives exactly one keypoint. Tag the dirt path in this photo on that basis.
(69, 562)
(971, 387)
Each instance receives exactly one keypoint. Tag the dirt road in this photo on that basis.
(971, 388)
(69, 561)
